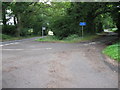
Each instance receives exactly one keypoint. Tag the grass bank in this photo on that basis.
(4, 37)
(113, 51)
(70, 39)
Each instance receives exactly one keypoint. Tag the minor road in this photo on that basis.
(32, 64)
(5, 43)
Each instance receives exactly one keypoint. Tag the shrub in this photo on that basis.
(26, 31)
(72, 37)
(3, 36)
(113, 51)
(64, 27)
(9, 30)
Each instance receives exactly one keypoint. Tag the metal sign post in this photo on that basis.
(43, 28)
(82, 32)
(42, 32)
(82, 24)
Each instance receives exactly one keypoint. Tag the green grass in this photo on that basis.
(70, 39)
(4, 37)
(49, 39)
(113, 51)
(77, 39)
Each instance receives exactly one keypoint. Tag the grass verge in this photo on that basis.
(113, 51)
(70, 39)
(48, 39)
(4, 37)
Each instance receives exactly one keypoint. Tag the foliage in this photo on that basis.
(26, 32)
(107, 21)
(3, 36)
(61, 17)
(70, 39)
(62, 27)
(8, 29)
(49, 39)
(113, 51)
(97, 18)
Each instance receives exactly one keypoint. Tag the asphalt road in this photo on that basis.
(32, 64)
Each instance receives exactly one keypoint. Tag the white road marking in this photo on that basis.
(1, 45)
(48, 48)
(16, 43)
(86, 44)
(12, 49)
(41, 49)
(6, 44)
(25, 49)
(9, 44)
(12, 43)
(92, 43)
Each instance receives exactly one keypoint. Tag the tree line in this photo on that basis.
(62, 18)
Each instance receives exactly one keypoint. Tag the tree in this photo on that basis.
(115, 12)
(4, 8)
(63, 17)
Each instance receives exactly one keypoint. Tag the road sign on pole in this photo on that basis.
(43, 28)
(82, 32)
(82, 24)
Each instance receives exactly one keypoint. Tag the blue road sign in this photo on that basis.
(82, 23)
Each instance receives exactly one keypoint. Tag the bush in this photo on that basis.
(72, 37)
(64, 27)
(48, 38)
(3, 36)
(9, 30)
(113, 51)
(26, 32)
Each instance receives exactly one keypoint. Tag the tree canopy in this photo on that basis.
(62, 18)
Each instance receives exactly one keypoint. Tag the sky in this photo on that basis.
(11, 20)
(47, 1)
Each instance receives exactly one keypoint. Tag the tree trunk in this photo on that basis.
(19, 26)
(15, 23)
(4, 16)
(90, 27)
(100, 28)
(118, 26)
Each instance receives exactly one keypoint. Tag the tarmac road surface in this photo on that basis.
(32, 64)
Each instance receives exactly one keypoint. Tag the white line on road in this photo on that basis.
(1, 45)
(12, 49)
(48, 48)
(41, 49)
(6, 44)
(9, 44)
(25, 49)
(12, 43)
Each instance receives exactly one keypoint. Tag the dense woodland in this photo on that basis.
(62, 18)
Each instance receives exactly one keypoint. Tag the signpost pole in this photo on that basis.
(43, 28)
(82, 31)
(42, 32)
(82, 24)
